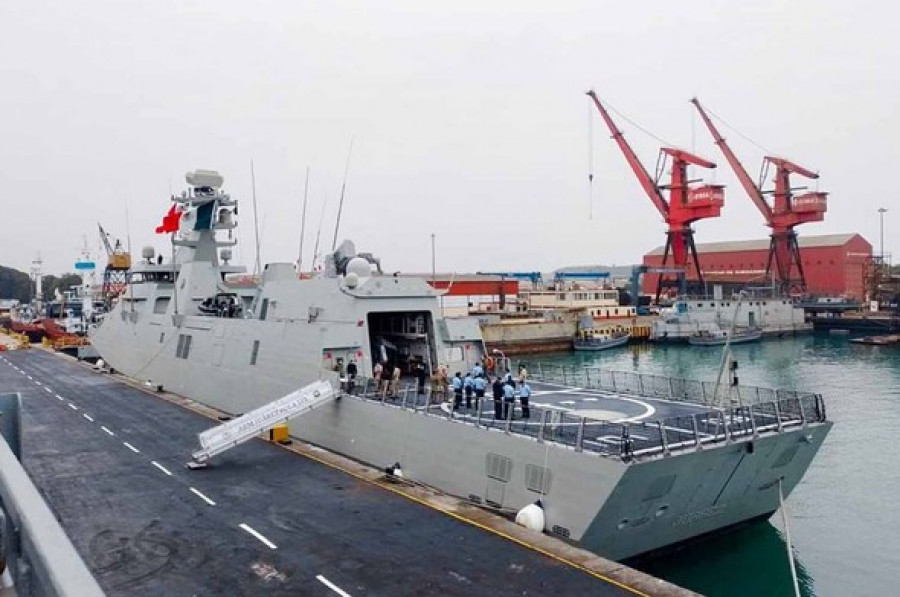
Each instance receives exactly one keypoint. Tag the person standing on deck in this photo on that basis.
(524, 396)
(523, 375)
(377, 373)
(457, 384)
(421, 375)
(498, 398)
(468, 389)
(479, 384)
(395, 381)
(351, 375)
(477, 370)
(509, 401)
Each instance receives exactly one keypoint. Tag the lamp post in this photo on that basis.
(881, 211)
(502, 358)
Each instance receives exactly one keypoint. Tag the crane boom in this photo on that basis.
(752, 189)
(685, 203)
(783, 215)
(104, 238)
(791, 167)
(649, 185)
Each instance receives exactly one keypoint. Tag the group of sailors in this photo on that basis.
(504, 388)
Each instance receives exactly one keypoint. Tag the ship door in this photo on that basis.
(752, 319)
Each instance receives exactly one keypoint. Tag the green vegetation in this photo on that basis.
(18, 285)
(15, 284)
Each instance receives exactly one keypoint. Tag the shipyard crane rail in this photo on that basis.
(536, 278)
(685, 204)
(560, 277)
(786, 212)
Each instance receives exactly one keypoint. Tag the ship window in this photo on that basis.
(184, 346)
(561, 296)
(161, 305)
(254, 352)
(162, 337)
(537, 479)
(264, 309)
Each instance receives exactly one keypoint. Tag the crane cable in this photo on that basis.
(637, 126)
(738, 133)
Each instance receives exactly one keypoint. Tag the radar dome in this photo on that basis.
(360, 267)
(351, 280)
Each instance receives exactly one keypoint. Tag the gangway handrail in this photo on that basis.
(237, 431)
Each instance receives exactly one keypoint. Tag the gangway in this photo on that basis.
(237, 431)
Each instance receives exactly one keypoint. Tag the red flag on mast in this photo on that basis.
(170, 221)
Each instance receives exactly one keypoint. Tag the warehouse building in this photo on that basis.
(834, 264)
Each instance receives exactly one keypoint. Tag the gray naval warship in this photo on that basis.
(655, 462)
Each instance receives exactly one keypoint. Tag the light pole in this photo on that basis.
(434, 274)
(881, 211)
(502, 358)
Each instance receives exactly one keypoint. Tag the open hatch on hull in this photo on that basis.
(403, 338)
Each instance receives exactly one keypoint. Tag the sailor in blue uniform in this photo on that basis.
(479, 384)
(524, 395)
(509, 401)
(457, 384)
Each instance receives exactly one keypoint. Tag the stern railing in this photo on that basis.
(625, 440)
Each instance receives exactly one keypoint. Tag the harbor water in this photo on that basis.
(842, 520)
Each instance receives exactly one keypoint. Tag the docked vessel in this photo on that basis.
(593, 340)
(723, 336)
(689, 317)
(656, 466)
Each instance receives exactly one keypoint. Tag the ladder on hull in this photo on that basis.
(237, 431)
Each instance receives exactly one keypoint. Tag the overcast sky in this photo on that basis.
(469, 119)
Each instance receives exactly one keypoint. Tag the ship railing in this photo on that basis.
(623, 440)
(654, 386)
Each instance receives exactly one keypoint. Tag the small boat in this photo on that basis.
(720, 337)
(599, 340)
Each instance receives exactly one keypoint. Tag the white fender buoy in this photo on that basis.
(100, 364)
(531, 517)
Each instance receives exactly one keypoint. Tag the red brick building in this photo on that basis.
(834, 264)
